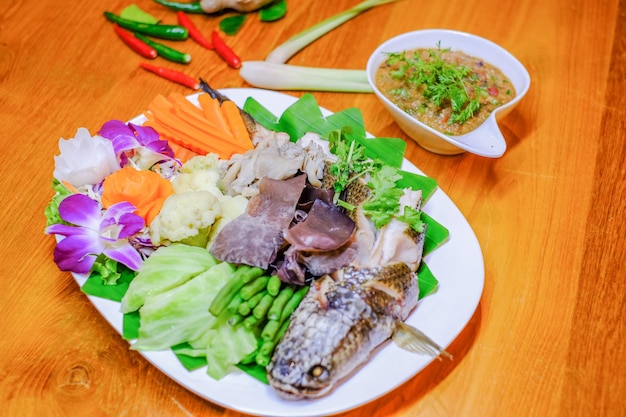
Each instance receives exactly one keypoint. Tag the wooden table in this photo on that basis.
(548, 336)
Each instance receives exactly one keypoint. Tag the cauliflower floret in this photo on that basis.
(187, 217)
(200, 173)
(232, 207)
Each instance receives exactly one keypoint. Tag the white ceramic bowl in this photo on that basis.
(486, 140)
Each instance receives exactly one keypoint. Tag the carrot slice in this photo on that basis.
(236, 124)
(182, 154)
(209, 128)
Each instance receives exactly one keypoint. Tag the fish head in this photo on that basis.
(320, 346)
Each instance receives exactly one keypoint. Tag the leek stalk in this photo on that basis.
(283, 52)
(273, 76)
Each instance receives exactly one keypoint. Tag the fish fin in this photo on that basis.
(409, 338)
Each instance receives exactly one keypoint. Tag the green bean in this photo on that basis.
(273, 285)
(235, 319)
(250, 321)
(233, 305)
(254, 287)
(240, 277)
(270, 329)
(281, 299)
(254, 300)
(264, 353)
(244, 309)
(261, 309)
(293, 302)
(249, 358)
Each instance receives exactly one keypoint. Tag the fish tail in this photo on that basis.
(413, 340)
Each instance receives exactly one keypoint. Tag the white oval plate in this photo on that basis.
(458, 265)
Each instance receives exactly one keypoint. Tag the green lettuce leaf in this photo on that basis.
(52, 209)
(109, 280)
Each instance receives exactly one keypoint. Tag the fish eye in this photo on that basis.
(319, 372)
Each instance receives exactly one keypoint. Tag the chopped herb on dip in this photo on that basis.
(449, 91)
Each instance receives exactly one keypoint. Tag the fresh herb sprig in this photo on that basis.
(384, 201)
(443, 83)
(351, 162)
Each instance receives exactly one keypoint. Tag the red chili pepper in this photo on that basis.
(224, 50)
(195, 34)
(135, 44)
(172, 75)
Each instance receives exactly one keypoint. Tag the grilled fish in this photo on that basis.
(344, 318)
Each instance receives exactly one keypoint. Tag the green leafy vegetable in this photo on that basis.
(426, 281)
(136, 14)
(181, 314)
(189, 357)
(273, 11)
(167, 268)
(109, 280)
(230, 25)
(52, 209)
(130, 325)
(226, 346)
(436, 234)
(385, 201)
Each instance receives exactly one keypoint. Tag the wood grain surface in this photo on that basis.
(548, 336)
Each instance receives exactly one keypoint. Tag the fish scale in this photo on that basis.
(337, 326)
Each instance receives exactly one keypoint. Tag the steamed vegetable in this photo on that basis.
(198, 209)
(187, 218)
(210, 128)
(182, 313)
(144, 189)
(167, 268)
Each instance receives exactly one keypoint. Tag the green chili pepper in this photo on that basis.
(183, 7)
(173, 32)
(165, 51)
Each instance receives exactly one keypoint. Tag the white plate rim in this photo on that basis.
(460, 289)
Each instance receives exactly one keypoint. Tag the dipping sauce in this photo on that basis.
(447, 90)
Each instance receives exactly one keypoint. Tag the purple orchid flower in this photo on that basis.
(92, 233)
(141, 144)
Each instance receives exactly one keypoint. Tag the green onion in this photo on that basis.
(283, 52)
(272, 76)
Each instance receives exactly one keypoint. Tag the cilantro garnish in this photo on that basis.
(351, 161)
(384, 201)
(442, 82)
